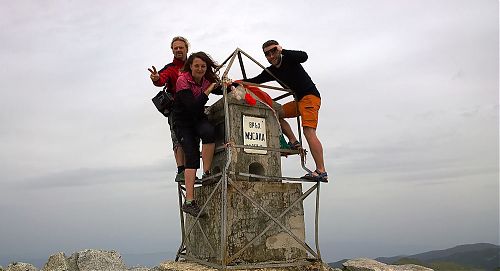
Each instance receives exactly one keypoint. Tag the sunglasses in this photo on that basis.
(271, 52)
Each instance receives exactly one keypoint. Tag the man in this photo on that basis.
(286, 66)
(168, 76)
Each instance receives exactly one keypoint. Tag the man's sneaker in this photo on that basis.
(192, 209)
(180, 177)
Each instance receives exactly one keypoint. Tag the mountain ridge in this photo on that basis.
(485, 256)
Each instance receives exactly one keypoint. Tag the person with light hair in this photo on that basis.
(167, 76)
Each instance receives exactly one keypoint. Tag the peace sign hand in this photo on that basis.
(154, 74)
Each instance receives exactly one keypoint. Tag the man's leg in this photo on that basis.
(315, 147)
(309, 110)
(288, 110)
(287, 130)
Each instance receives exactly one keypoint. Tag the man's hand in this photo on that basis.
(279, 48)
(154, 74)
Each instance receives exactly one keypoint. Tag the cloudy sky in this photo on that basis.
(409, 119)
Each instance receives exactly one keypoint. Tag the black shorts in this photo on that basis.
(189, 136)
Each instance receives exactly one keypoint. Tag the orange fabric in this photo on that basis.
(258, 92)
(307, 108)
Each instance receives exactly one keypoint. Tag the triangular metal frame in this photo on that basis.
(223, 180)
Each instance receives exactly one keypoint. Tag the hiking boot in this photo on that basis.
(180, 177)
(192, 209)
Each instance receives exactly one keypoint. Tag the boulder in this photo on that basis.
(57, 262)
(21, 267)
(91, 260)
(362, 264)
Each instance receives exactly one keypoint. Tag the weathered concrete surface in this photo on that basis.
(263, 164)
(362, 264)
(245, 221)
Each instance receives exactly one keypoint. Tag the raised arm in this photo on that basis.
(296, 56)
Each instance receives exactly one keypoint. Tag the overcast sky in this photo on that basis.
(409, 119)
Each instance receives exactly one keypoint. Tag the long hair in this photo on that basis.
(211, 66)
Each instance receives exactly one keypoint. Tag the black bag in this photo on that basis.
(164, 102)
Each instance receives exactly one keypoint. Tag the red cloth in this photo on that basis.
(250, 100)
(258, 92)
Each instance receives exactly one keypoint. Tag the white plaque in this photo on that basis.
(254, 134)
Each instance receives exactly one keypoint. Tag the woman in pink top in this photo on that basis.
(191, 122)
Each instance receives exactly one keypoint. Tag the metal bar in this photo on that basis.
(282, 96)
(276, 178)
(316, 220)
(232, 57)
(183, 236)
(301, 198)
(223, 241)
(256, 62)
(287, 151)
(190, 228)
(241, 66)
(269, 87)
(224, 62)
(306, 246)
(205, 236)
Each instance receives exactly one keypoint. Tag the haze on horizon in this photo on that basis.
(409, 119)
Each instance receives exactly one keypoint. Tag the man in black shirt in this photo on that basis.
(286, 66)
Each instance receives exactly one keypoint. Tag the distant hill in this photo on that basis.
(481, 256)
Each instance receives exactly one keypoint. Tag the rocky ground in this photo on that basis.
(92, 260)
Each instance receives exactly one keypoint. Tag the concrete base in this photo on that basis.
(245, 221)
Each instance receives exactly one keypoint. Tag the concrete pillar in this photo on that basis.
(249, 125)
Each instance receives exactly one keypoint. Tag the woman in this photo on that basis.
(190, 122)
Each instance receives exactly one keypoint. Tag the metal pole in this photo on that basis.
(316, 223)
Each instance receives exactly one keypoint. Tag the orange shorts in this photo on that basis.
(307, 108)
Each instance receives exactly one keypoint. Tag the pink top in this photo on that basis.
(186, 81)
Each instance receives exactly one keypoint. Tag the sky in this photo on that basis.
(409, 120)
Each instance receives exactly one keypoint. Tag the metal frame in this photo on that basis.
(225, 178)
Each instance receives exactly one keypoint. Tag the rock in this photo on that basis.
(57, 262)
(21, 267)
(91, 260)
(362, 264)
(139, 269)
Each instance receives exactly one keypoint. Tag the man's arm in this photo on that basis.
(259, 79)
(295, 56)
